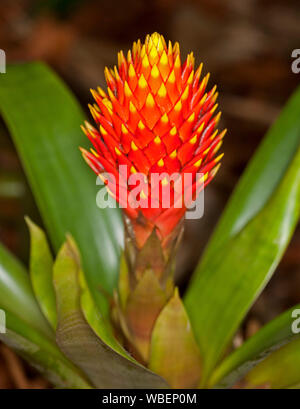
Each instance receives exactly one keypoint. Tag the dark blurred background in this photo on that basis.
(245, 44)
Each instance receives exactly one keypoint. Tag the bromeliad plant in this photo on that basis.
(108, 315)
(155, 121)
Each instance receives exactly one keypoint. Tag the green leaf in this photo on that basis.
(262, 175)
(16, 294)
(27, 330)
(41, 353)
(174, 353)
(271, 337)
(44, 119)
(103, 366)
(41, 265)
(252, 192)
(225, 288)
(96, 320)
(280, 370)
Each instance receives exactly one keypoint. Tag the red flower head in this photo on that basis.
(155, 118)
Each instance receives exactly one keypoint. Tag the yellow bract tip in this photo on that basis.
(116, 73)
(223, 133)
(111, 94)
(177, 62)
(193, 140)
(214, 134)
(145, 61)
(191, 58)
(172, 78)
(154, 71)
(132, 108)
(103, 131)
(202, 179)
(107, 103)
(218, 116)
(185, 93)
(93, 92)
(178, 106)
(101, 92)
(176, 47)
(165, 118)
(155, 37)
(218, 158)
(213, 110)
(142, 82)
(217, 148)
(83, 129)
(173, 154)
(127, 90)
(124, 129)
(215, 170)
(213, 90)
(133, 146)
(117, 151)
(131, 71)
(153, 53)
(191, 117)
(161, 162)
(191, 77)
(143, 51)
(150, 101)
(173, 131)
(198, 163)
(164, 58)
(141, 126)
(157, 140)
(203, 99)
(95, 153)
(162, 92)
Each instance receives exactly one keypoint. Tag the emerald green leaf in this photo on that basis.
(44, 120)
(16, 294)
(224, 289)
(271, 337)
(174, 353)
(280, 370)
(41, 265)
(41, 353)
(103, 366)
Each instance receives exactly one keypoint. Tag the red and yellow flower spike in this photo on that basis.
(156, 116)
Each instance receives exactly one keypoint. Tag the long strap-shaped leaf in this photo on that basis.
(41, 353)
(41, 272)
(270, 338)
(103, 366)
(27, 331)
(44, 120)
(225, 288)
(262, 175)
(16, 294)
(280, 370)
